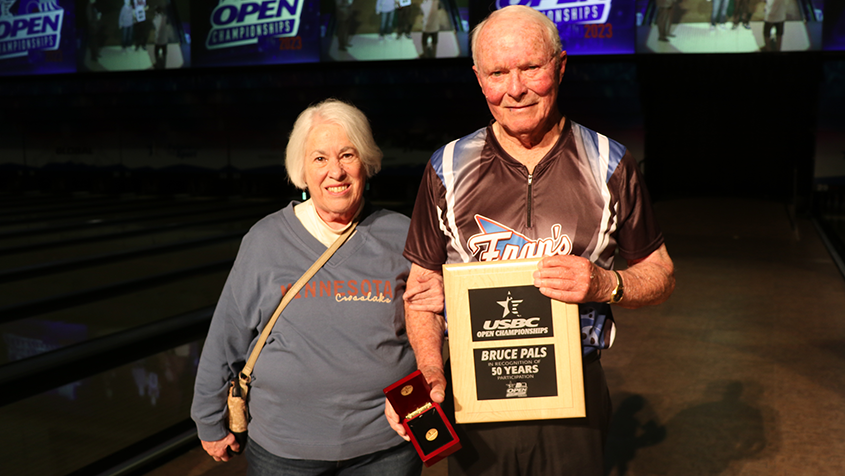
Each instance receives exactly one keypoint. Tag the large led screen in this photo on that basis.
(255, 32)
(374, 30)
(37, 37)
(587, 27)
(66, 36)
(728, 26)
(131, 35)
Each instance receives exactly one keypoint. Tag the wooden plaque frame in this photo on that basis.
(533, 353)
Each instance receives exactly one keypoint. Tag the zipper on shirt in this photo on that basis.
(530, 186)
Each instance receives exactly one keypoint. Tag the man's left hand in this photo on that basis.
(573, 279)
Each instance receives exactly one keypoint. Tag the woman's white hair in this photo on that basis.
(551, 33)
(332, 111)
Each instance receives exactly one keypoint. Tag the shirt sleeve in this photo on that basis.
(426, 243)
(638, 233)
(224, 352)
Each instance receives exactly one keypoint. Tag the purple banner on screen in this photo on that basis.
(37, 37)
(588, 26)
(254, 32)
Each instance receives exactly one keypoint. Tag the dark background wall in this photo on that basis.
(737, 124)
(701, 124)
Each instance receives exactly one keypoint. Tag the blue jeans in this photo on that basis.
(386, 23)
(720, 11)
(400, 460)
(127, 36)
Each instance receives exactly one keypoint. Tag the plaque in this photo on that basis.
(431, 433)
(515, 353)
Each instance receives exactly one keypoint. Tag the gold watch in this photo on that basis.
(619, 292)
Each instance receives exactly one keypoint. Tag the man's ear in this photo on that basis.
(477, 75)
(562, 64)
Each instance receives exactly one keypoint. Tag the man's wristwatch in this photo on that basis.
(619, 292)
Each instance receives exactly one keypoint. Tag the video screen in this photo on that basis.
(728, 26)
(834, 26)
(373, 30)
(131, 35)
(37, 37)
(587, 27)
(255, 32)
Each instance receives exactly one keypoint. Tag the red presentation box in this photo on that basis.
(424, 420)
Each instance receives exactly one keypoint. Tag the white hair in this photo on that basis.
(331, 111)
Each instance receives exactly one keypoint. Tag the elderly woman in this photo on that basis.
(316, 396)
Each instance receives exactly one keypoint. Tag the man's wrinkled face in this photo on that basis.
(518, 74)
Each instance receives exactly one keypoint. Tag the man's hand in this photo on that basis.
(427, 294)
(425, 329)
(219, 449)
(436, 380)
(573, 279)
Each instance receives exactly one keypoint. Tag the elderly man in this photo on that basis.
(536, 174)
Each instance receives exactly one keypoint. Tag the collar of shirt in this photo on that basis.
(311, 220)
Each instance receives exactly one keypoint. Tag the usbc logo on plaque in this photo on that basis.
(516, 312)
(517, 389)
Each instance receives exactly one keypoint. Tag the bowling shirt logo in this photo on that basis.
(498, 242)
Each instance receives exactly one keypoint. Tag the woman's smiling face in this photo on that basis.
(334, 174)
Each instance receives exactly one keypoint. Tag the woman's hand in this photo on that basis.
(219, 449)
(427, 293)
(393, 420)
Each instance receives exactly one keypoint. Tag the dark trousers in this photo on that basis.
(126, 40)
(429, 51)
(570, 446)
(742, 11)
(664, 21)
(161, 56)
(142, 33)
(342, 31)
(404, 20)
